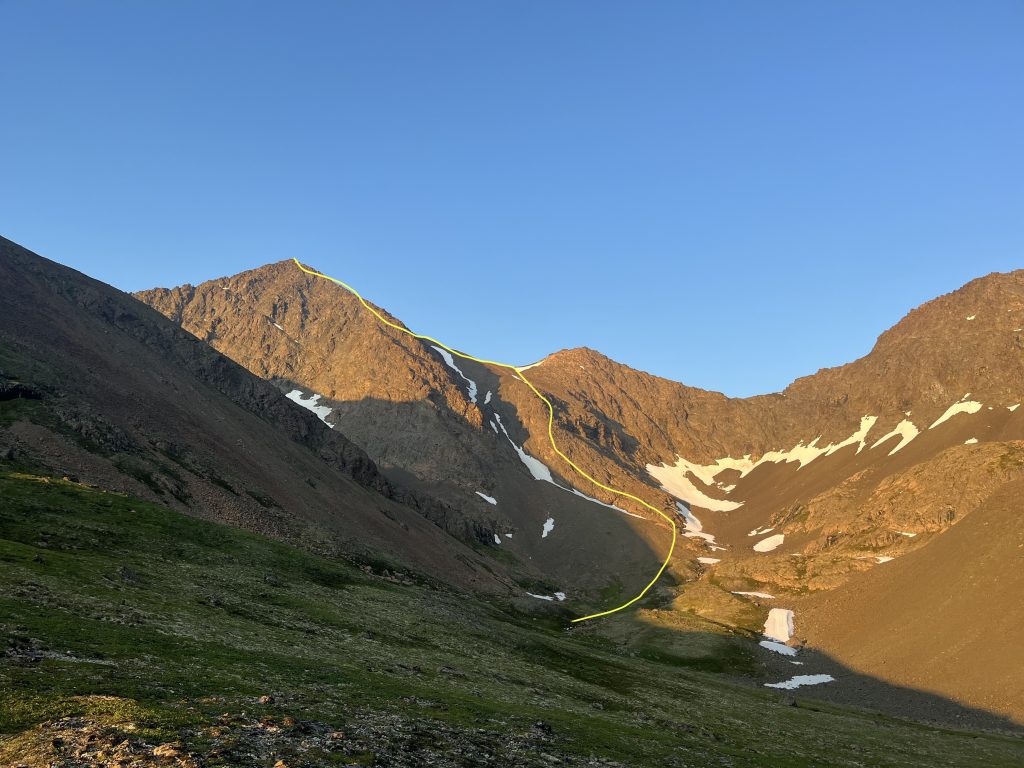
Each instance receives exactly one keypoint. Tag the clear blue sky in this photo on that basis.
(727, 194)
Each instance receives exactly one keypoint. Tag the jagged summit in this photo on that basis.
(133, 403)
(816, 472)
(969, 340)
(273, 400)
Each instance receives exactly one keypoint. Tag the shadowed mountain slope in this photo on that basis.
(794, 493)
(140, 637)
(100, 386)
(440, 427)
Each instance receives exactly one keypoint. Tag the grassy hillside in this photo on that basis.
(129, 628)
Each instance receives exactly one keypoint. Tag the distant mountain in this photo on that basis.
(803, 494)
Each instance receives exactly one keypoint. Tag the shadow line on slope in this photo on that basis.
(383, 649)
(739, 659)
(551, 435)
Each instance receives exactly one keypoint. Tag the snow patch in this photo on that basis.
(692, 527)
(487, 397)
(674, 477)
(799, 680)
(883, 558)
(497, 539)
(859, 437)
(771, 645)
(906, 430)
(779, 625)
(674, 480)
(557, 596)
(278, 327)
(531, 365)
(964, 406)
(971, 317)
(1012, 408)
(488, 499)
(538, 469)
(970, 441)
(763, 595)
(310, 405)
(772, 542)
(692, 524)
(805, 454)
(603, 504)
(708, 560)
(760, 532)
(508, 535)
(450, 362)
(706, 474)
(907, 534)
(549, 526)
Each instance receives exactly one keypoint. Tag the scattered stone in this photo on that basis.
(167, 750)
(397, 741)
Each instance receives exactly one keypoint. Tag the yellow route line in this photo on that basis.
(551, 432)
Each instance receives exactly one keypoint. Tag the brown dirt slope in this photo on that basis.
(946, 618)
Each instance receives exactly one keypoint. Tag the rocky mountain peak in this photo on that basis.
(968, 341)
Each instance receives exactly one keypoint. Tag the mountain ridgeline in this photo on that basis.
(857, 536)
(809, 463)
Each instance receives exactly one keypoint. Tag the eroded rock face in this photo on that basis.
(388, 390)
(104, 389)
(416, 416)
(927, 362)
(188, 405)
(845, 470)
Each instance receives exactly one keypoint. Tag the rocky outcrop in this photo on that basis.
(99, 385)
(839, 515)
